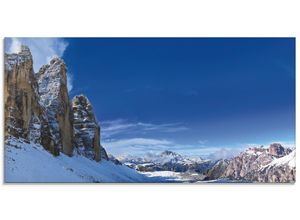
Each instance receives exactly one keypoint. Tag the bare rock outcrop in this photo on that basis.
(251, 159)
(52, 88)
(217, 170)
(38, 108)
(257, 164)
(86, 129)
(24, 117)
(280, 170)
(277, 150)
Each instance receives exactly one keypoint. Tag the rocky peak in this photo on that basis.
(249, 165)
(277, 150)
(169, 153)
(280, 170)
(15, 59)
(19, 93)
(25, 51)
(24, 116)
(86, 129)
(38, 108)
(54, 97)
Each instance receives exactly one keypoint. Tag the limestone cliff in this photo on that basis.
(258, 164)
(52, 88)
(24, 117)
(86, 129)
(38, 108)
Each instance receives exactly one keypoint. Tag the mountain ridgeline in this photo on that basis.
(39, 112)
(276, 164)
(38, 108)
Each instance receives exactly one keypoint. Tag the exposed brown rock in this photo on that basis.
(24, 117)
(277, 150)
(256, 165)
(86, 129)
(38, 109)
(52, 87)
(217, 170)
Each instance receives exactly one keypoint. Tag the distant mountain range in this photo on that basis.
(275, 164)
(258, 164)
(166, 161)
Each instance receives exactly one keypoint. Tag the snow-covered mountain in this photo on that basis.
(48, 138)
(275, 164)
(166, 161)
(257, 164)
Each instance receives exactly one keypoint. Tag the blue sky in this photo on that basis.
(194, 95)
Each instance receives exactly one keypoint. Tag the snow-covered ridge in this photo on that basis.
(28, 162)
(289, 160)
(276, 164)
(161, 158)
(165, 161)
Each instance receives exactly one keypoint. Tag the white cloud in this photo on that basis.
(121, 126)
(138, 142)
(224, 153)
(42, 50)
(70, 82)
(201, 142)
(15, 46)
(136, 145)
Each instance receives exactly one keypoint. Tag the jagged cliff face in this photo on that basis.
(18, 93)
(38, 109)
(258, 164)
(24, 116)
(52, 88)
(86, 129)
(217, 170)
(280, 170)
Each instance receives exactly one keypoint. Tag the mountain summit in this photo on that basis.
(39, 110)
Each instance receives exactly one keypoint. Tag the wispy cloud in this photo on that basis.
(229, 152)
(224, 153)
(121, 126)
(70, 82)
(141, 146)
(202, 142)
(42, 50)
(134, 146)
(139, 142)
(123, 137)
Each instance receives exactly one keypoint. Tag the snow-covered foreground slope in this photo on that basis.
(26, 162)
(166, 176)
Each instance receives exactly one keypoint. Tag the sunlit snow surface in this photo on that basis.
(289, 160)
(30, 163)
(166, 176)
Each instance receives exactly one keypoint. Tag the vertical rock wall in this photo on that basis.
(86, 129)
(52, 87)
(38, 108)
(23, 115)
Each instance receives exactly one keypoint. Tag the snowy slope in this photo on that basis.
(289, 160)
(25, 162)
